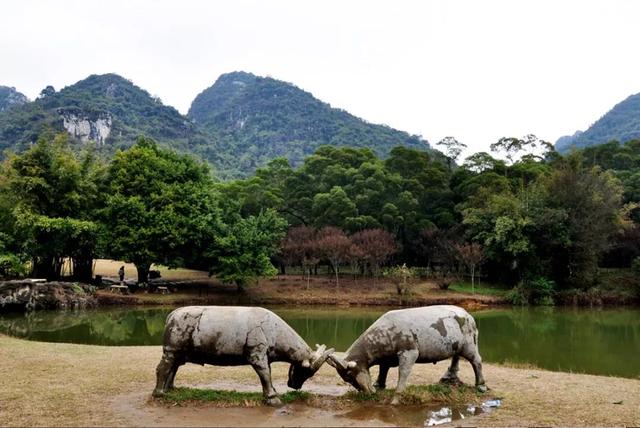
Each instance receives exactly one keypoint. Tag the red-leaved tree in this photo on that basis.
(378, 246)
(334, 246)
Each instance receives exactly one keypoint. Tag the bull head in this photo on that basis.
(352, 373)
(300, 372)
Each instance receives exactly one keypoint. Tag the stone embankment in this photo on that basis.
(31, 295)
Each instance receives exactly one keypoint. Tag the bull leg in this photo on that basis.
(381, 383)
(163, 373)
(406, 360)
(451, 376)
(172, 375)
(473, 356)
(263, 369)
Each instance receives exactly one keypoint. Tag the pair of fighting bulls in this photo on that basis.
(228, 335)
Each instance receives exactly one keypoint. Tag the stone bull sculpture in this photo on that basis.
(234, 335)
(404, 337)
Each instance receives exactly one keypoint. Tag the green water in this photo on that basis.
(603, 341)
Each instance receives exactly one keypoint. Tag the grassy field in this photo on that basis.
(480, 288)
(110, 268)
(65, 384)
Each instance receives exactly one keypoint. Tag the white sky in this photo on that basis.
(477, 70)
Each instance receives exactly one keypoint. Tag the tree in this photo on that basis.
(161, 208)
(377, 246)
(452, 149)
(51, 194)
(333, 208)
(244, 249)
(591, 200)
(295, 246)
(471, 255)
(334, 245)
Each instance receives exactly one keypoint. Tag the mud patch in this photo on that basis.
(140, 410)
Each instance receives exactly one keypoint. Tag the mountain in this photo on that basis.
(256, 119)
(237, 125)
(621, 123)
(107, 109)
(9, 98)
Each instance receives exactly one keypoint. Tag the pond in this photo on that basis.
(596, 341)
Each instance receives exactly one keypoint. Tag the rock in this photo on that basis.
(31, 296)
(85, 126)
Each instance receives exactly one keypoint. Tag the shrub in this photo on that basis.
(403, 277)
(539, 291)
(11, 266)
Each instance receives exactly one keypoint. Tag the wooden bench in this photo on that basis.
(119, 289)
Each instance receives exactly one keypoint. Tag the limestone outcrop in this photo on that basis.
(87, 125)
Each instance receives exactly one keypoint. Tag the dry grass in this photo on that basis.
(64, 384)
(110, 268)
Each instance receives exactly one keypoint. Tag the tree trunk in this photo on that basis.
(473, 277)
(48, 268)
(83, 269)
(143, 272)
(335, 268)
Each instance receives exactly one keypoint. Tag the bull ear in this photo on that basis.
(306, 363)
(351, 364)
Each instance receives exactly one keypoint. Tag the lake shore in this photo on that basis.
(66, 384)
(194, 287)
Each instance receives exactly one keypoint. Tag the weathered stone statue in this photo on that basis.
(404, 337)
(235, 335)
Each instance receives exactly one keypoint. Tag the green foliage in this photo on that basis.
(11, 266)
(161, 208)
(539, 291)
(256, 119)
(10, 98)
(133, 111)
(621, 123)
(245, 247)
(403, 277)
(48, 205)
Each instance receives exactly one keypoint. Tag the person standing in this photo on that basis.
(121, 274)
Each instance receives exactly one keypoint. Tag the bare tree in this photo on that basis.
(471, 255)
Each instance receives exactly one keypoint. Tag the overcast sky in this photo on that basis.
(477, 70)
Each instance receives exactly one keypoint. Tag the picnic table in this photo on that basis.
(119, 289)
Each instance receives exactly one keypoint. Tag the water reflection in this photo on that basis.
(581, 340)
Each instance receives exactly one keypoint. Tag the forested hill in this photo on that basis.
(237, 125)
(621, 123)
(107, 109)
(257, 119)
(9, 98)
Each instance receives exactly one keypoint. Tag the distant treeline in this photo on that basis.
(539, 221)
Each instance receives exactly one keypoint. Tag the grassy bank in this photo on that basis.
(64, 384)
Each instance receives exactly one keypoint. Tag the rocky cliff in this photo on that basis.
(86, 126)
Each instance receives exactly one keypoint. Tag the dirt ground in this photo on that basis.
(72, 385)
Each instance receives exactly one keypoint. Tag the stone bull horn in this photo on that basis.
(320, 356)
(336, 362)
